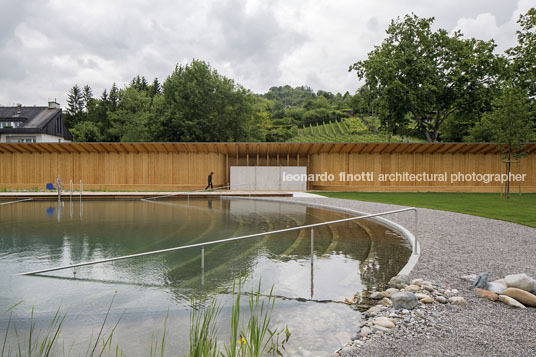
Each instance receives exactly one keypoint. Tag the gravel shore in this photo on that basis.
(453, 245)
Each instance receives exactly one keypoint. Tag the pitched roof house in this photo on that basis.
(33, 124)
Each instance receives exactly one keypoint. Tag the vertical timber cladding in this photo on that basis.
(185, 166)
(105, 167)
(451, 170)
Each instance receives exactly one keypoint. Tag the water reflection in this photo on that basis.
(332, 264)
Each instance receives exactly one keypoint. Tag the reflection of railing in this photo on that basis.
(202, 245)
(8, 203)
(197, 191)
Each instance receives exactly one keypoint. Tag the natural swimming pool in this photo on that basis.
(348, 258)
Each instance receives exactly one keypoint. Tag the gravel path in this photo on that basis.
(453, 245)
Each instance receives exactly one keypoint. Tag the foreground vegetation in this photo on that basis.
(254, 337)
(517, 209)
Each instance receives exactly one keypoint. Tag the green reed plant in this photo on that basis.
(256, 338)
(45, 343)
(253, 338)
(203, 329)
(154, 341)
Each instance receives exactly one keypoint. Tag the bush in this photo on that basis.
(356, 126)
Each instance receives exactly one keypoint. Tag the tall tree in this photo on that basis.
(113, 97)
(75, 106)
(87, 96)
(508, 125)
(154, 88)
(201, 105)
(523, 56)
(130, 121)
(430, 73)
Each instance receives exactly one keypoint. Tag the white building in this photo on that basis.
(33, 124)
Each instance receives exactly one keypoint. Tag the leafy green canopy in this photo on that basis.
(425, 75)
(201, 105)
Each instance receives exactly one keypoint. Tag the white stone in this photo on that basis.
(520, 281)
(496, 287)
(512, 302)
(381, 328)
(441, 299)
(458, 300)
(376, 295)
(470, 277)
(384, 322)
(390, 292)
(412, 288)
(386, 302)
(421, 295)
(399, 281)
(427, 300)
(375, 309)
(417, 282)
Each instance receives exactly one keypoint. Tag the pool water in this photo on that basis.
(348, 258)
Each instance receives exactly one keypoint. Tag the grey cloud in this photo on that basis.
(255, 43)
(372, 24)
(103, 42)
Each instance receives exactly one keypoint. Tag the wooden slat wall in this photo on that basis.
(185, 166)
(418, 163)
(112, 171)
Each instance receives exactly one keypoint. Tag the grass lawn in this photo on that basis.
(518, 210)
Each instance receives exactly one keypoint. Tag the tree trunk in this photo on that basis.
(428, 138)
(508, 163)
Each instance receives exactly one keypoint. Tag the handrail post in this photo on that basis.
(71, 187)
(203, 266)
(58, 186)
(416, 229)
(312, 260)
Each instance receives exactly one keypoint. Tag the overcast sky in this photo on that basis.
(48, 46)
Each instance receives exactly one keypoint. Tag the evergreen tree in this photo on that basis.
(75, 106)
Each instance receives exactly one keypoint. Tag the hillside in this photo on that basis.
(346, 130)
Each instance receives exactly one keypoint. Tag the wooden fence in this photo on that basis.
(185, 166)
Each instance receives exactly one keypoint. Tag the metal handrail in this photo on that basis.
(232, 239)
(190, 192)
(10, 202)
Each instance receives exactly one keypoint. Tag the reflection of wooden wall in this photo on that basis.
(418, 163)
(173, 166)
(113, 171)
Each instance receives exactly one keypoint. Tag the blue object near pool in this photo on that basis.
(50, 186)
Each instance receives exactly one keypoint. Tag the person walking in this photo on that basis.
(210, 181)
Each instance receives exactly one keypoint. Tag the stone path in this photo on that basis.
(453, 245)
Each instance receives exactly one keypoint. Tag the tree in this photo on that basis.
(75, 106)
(113, 97)
(86, 131)
(201, 105)
(430, 73)
(523, 56)
(130, 121)
(87, 97)
(154, 88)
(508, 125)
